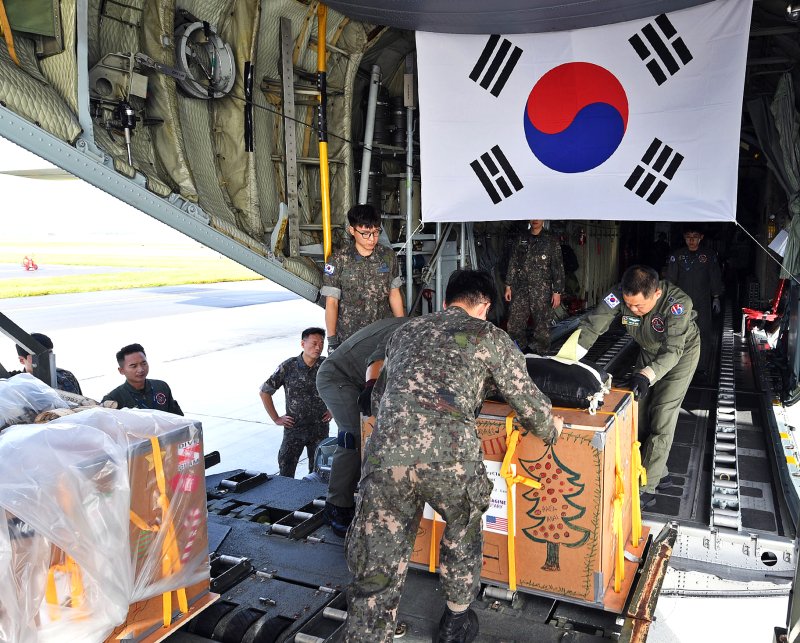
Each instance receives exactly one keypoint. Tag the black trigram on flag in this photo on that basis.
(495, 173)
(501, 63)
(654, 172)
(658, 49)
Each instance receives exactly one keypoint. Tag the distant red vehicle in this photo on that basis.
(29, 264)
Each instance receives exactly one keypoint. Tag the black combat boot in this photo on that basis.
(339, 518)
(457, 628)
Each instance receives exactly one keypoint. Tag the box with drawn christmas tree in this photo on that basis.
(568, 537)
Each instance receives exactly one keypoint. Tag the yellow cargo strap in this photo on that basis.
(512, 439)
(170, 558)
(69, 567)
(619, 503)
(5, 28)
(432, 549)
(638, 475)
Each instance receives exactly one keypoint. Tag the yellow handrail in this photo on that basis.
(324, 176)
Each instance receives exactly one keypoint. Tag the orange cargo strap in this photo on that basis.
(433, 548)
(69, 567)
(638, 476)
(512, 439)
(619, 503)
(5, 27)
(170, 558)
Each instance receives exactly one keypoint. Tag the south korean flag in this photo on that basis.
(631, 121)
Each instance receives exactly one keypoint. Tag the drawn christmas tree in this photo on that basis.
(554, 509)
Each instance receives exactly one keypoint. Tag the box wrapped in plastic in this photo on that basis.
(23, 397)
(89, 491)
(64, 502)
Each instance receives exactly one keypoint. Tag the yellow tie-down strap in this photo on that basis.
(432, 549)
(638, 474)
(512, 479)
(170, 557)
(69, 567)
(619, 503)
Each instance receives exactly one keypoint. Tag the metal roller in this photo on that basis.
(726, 484)
(499, 593)
(307, 638)
(302, 515)
(725, 446)
(726, 521)
(726, 501)
(725, 458)
(319, 503)
(281, 529)
(334, 614)
(725, 473)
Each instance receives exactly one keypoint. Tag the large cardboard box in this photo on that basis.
(76, 525)
(185, 540)
(565, 542)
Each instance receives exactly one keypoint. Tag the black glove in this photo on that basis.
(333, 343)
(365, 399)
(640, 386)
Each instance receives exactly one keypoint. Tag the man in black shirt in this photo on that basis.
(138, 392)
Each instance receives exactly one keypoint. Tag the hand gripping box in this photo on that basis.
(566, 539)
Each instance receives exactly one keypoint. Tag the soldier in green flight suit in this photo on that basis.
(660, 318)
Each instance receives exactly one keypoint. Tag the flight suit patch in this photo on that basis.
(631, 320)
(702, 258)
(161, 399)
(329, 269)
(676, 309)
(658, 324)
(611, 300)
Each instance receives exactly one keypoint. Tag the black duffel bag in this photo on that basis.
(579, 385)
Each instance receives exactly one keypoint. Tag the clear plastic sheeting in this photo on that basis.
(64, 493)
(168, 532)
(83, 493)
(23, 397)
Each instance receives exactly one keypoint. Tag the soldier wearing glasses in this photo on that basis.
(362, 281)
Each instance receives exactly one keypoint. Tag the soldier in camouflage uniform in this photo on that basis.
(425, 448)
(695, 270)
(361, 282)
(305, 423)
(660, 318)
(534, 284)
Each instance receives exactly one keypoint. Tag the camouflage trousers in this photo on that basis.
(380, 540)
(296, 439)
(535, 302)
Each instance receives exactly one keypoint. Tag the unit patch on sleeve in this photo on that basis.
(329, 269)
(611, 300)
(676, 309)
(658, 324)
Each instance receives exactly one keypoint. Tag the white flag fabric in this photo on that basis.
(632, 121)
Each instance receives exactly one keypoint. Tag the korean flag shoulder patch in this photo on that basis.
(329, 268)
(611, 300)
(677, 309)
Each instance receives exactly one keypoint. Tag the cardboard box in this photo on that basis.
(564, 539)
(163, 519)
(184, 475)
